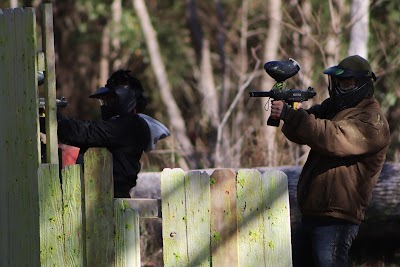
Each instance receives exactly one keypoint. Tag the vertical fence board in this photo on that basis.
(224, 218)
(10, 153)
(250, 218)
(28, 124)
(127, 235)
(98, 206)
(277, 220)
(198, 205)
(31, 128)
(20, 182)
(51, 220)
(4, 183)
(50, 84)
(174, 218)
(19, 153)
(72, 210)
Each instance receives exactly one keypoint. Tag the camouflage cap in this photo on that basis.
(352, 66)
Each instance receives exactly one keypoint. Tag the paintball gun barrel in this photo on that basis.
(61, 103)
(289, 96)
(40, 78)
(280, 71)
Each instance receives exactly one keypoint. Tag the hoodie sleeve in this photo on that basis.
(111, 133)
(158, 131)
(355, 134)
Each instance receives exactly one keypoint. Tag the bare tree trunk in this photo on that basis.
(207, 87)
(270, 53)
(219, 157)
(116, 8)
(359, 28)
(306, 61)
(104, 56)
(13, 3)
(186, 149)
(332, 47)
(237, 129)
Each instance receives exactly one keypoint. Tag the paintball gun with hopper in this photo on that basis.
(280, 71)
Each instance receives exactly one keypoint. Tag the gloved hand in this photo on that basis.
(279, 109)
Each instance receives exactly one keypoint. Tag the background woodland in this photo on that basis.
(198, 60)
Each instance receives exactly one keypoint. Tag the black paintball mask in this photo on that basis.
(123, 94)
(350, 82)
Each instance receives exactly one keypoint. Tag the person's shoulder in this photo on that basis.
(369, 111)
(133, 119)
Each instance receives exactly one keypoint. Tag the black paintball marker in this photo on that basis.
(40, 78)
(61, 103)
(280, 71)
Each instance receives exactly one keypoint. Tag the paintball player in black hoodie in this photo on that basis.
(123, 130)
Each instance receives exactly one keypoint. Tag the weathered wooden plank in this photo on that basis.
(198, 206)
(40, 61)
(72, 210)
(174, 218)
(4, 183)
(20, 182)
(9, 151)
(98, 207)
(13, 147)
(127, 235)
(250, 219)
(30, 149)
(224, 242)
(147, 208)
(277, 244)
(51, 220)
(50, 84)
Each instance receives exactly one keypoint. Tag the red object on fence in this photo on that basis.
(69, 154)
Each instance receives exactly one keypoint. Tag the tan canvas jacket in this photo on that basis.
(346, 158)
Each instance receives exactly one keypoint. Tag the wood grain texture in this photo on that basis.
(224, 244)
(175, 248)
(98, 208)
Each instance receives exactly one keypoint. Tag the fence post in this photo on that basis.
(50, 84)
(19, 148)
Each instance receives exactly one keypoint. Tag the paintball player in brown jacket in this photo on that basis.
(348, 136)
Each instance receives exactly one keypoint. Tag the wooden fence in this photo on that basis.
(226, 218)
(222, 219)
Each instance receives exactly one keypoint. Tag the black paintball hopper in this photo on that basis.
(282, 70)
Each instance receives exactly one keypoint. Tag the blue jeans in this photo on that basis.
(323, 242)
